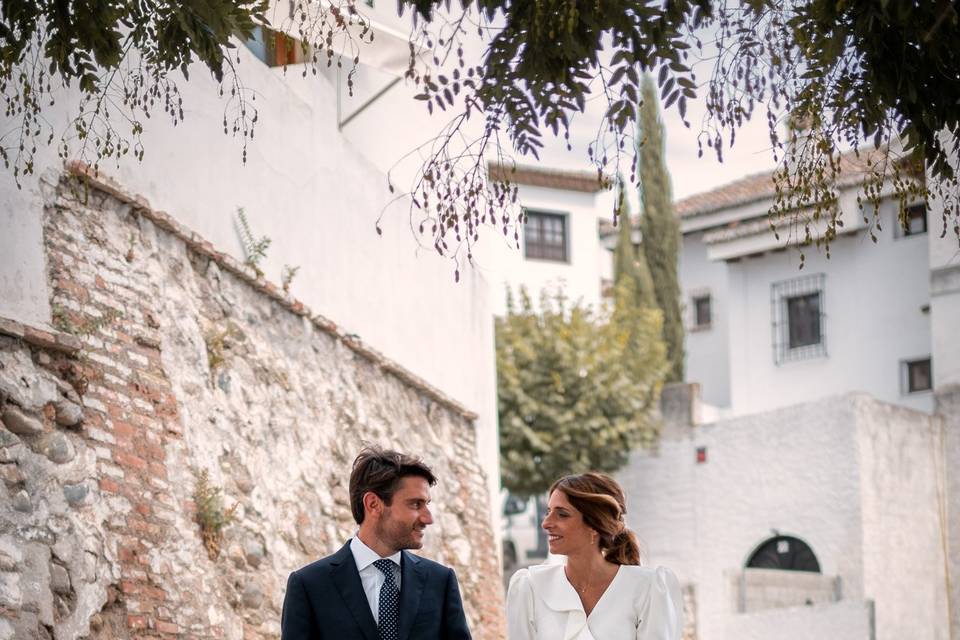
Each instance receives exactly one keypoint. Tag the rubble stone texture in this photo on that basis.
(184, 367)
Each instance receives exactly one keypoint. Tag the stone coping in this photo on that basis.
(203, 247)
(45, 338)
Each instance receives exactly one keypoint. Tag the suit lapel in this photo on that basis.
(347, 580)
(412, 580)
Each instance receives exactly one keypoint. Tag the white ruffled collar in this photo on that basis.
(550, 584)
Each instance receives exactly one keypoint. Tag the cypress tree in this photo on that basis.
(660, 228)
(629, 259)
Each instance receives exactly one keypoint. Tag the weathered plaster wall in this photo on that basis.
(902, 459)
(948, 407)
(846, 620)
(851, 476)
(190, 363)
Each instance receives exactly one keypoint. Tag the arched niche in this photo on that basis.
(785, 553)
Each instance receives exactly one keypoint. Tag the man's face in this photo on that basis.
(402, 522)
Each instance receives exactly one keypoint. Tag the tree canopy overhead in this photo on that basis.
(860, 74)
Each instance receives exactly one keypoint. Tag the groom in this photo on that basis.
(372, 588)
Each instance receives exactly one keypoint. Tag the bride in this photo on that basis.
(601, 593)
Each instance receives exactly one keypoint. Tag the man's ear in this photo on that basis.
(372, 504)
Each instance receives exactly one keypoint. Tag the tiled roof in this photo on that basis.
(749, 189)
(585, 181)
(759, 186)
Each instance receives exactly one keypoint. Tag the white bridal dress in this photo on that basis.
(640, 604)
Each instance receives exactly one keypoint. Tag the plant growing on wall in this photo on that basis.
(254, 249)
(211, 515)
(287, 276)
(576, 391)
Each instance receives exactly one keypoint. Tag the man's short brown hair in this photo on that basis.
(381, 470)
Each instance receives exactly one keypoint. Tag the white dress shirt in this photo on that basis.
(639, 604)
(370, 577)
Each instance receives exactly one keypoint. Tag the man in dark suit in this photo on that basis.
(373, 588)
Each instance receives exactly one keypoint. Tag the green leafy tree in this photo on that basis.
(660, 228)
(575, 392)
(863, 74)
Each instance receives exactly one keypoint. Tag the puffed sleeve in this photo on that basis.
(520, 621)
(661, 610)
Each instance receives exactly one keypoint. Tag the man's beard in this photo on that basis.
(397, 535)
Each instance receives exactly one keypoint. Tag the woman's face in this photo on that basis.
(566, 531)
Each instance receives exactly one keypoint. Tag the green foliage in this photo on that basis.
(660, 228)
(629, 258)
(575, 392)
(254, 249)
(82, 326)
(211, 515)
(863, 74)
(287, 276)
(879, 77)
(123, 56)
(219, 341)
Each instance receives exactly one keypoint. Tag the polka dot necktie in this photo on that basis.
(389, 610)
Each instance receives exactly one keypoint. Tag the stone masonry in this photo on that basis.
(171, 361)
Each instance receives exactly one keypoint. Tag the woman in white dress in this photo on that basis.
(601, 593)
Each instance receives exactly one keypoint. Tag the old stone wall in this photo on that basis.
(172, 362)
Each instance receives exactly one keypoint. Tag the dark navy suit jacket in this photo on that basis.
(325, 601)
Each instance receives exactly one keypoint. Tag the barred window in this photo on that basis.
(545, 236)
(797, 309)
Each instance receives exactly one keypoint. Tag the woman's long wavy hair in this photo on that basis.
(599, 498)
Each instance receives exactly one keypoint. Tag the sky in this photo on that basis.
(395, 130)
(689, 174)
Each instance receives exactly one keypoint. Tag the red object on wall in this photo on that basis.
(701, 455)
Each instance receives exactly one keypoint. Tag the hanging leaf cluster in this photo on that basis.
(872, 88)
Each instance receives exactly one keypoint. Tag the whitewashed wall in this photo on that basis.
(817, 472)
(846, 620)
(707, 351)
(945, 297)
(580, 277)
(310, 190)
(902, 465)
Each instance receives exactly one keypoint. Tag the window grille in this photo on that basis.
(798, 318)
(545, 236)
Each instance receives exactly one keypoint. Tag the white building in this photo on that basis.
(763, 334)
(820, 520)
(313, 190)
(817, 502)
(559, 242)
(809, 495)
